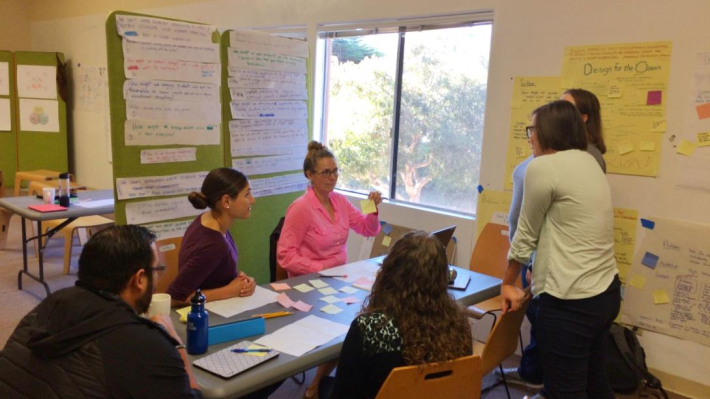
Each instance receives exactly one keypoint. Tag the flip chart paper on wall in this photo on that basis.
(248, 59)
(269, 109)
(156, 186)
(4, 79)
(254, 40)
(92, 88)
(198, 52)
(167, 155)
(5, 115)
(36, 81)
(209, 113)
(278, 185)
(39, 115)
(151, 132)
(256, 79)
(269, 142)
(698, 119)
(268, 94)
(169, 229)
(267, 124)
(271, 164)
(157, 29)
(162, 90)
(157, 210)
(693, 174)
(184, 71)
(489, 203)
(625, 223)
(680, 278)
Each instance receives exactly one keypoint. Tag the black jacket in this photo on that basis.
(79, 343)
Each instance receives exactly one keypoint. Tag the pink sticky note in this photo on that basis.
(280, 286)
(703, 111)
(363, 281)
(302, 306)
(349, 300)
(284, 300)
(654, 97)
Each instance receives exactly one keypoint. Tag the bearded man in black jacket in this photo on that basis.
(90, 340)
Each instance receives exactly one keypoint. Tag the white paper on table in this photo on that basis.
(184, 71)
(255, 40)
(278, 185)
(163, 90)
(94, 203)
(268, 142)
(208, 113)
(157, 186)
(242, 125)
(4, 79)
(5, 115)
(168, 230)
(39, 115)
(157, 29)
(157, 210)
(271, 164)
(354, 271)
(303, 335)
(268, 109)
(37, 81)
(232, 306)
(262, 60)
(268, 94)
(152, 132)
(166, 155)
(186, 51)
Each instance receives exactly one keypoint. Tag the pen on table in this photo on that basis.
(270, 315)
(84, 200)
(251, 350)
(333, 275)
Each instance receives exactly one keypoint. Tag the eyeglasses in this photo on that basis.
(327, 172)
(529, 130)
(159, 270)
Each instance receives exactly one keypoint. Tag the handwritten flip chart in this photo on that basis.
(253, 40)
(170, 229)
(270, 164)
(248, 59)
(198, 52)
(156, 29)
(35, 81)
(278, 185)
(268, 94)
(163, 90)
(151, 132)
(269, 109)
(155, 186)
(167, 155)
(257, 79)
(158, 210)
(174, 111)
(184, 71)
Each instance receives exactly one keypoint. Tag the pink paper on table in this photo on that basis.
(302, 306)
(284, 300)
(349, 300)
(280, 286)
(654, 97)
(363, 281)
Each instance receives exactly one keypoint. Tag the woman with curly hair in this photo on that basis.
(408, 319)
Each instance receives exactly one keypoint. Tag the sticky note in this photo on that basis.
(284, 300)
(654, 97)
(349, 290)
(327, 291)
(318, 283)
(625, 147)
(659, 126)
(302, 306)
(386, 240)
(648, 224)
(387, 229)
(479, 188)
(331, 309)
(614, 91)
(280, 286)
(368, 206)
(637, 281)
(520, 152)
(349, 300)
(686, 148)
(330, 299)
(703, 111)
(183, 313)
(648, 145)
(304, 288)
(257, 354)
(704, 139)
(650, 260)
(660, 297)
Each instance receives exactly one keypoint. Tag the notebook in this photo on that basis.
(227, 364)
(47, 208)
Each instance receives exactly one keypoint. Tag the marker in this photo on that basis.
(251, 350)
(272, 315)
(334, 275)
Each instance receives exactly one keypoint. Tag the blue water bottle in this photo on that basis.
(197, 325)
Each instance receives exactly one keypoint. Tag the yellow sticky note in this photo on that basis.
(660, 297)
(614, 91)
(704, 139)
(637, 281)
(368, 206)
(658, 126)
(625, 147)
(257, 354)
(386, 240)
(686, 148)
(183, 313)
(520, 152)
(648, 145)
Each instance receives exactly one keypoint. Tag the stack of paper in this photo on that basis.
(303, 336)
(232, 306)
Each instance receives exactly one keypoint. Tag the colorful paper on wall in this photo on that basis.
(39, 115)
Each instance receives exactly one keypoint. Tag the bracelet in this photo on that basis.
(181, 346)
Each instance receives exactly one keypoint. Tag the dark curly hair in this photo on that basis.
(410, 289)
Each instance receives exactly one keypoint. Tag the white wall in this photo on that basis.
(528, 40)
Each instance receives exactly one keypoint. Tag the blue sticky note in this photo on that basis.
(650, 260)
(387, 229)
(649, 224)
(480, 188)
(130, 33)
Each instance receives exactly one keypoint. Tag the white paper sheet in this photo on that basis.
(39, 115)
(166, 155)
(254, 80)
(163, 90)
(170, 229)
(4, 79)
(254, 40)
(269, 109)
(174, 111)
(303, 335)
(276, 150)
(156, 186)
(268, 94)
(693, 174)
(278, 185)
(247, 59)
(355, 271)
(157, 210)
(152, 132)
(135, 26)
(183, 71)
(268, 142)
(267, 124)
(264, 165)
(92, 87)
(94, 203)
(198, 52)
(233, 306)
(36, 81)
(5, 115)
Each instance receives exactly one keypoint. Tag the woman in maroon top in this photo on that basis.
(208, 255)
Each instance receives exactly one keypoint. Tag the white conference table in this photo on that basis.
(19, 206)
(480, 288)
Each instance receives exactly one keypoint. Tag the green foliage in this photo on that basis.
(350, 49)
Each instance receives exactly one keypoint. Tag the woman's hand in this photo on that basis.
(248, 286)
(375, 196)
(512, 298)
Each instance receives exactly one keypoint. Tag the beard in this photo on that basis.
(143, 302)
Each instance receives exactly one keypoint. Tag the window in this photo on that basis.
(402, 108)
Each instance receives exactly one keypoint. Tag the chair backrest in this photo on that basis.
(168, 250)
(460, 378)
(490, 255)
(276, 272)
(503, 339)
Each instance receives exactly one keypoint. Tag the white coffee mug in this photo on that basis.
(159, 305)
(48, 195)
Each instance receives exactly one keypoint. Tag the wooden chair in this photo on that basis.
(501, 343)
(35, 175)
(460, 378)
(277, 273)
(168, 250)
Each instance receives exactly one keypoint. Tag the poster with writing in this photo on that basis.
(278, 185)
(258, 79)
(155, 133)
(270, 164)
(258, 41)
(199, 52)
(248, 59)
(92, 88)
(183, 71)
(5, 115)
(4, 79)
(269, 109)
(163, 90)
(625, 222)
(268, 142)
(162, 30)
(157, 186)
(39, 115)
(174, 111)
(35, 81)
(168, 155)
(162, 209)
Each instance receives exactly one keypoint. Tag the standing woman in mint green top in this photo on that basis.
(567, 220)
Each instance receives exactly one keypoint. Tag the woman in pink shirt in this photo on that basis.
(315, 232)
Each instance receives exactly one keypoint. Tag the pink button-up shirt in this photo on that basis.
(310, 241)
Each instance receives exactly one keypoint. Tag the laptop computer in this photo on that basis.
(444, 235)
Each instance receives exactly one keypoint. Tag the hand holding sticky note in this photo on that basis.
(368, 206)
